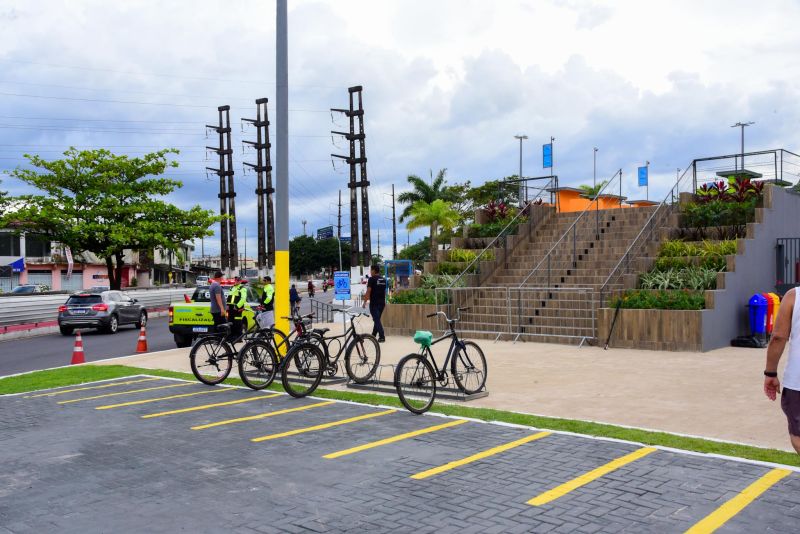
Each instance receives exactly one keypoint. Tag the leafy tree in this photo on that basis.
(592, 191)
(494, 190)
(437, 214)
(419, 252)
(95, 201)
(3, 201)
(309, 256)
(425, 192)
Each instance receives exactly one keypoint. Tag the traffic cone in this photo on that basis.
(77, 350)
(141, 346)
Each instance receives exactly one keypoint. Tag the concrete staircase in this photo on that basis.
(557, 301)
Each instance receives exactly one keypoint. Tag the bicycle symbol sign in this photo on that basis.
(341, 285)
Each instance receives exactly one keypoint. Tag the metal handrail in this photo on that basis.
(573, 226)
(501, 234)
(671, 194)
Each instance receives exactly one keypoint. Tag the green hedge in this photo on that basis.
(642, 299)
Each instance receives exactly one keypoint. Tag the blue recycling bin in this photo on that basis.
(758, 314)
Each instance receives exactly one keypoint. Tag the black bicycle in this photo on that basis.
(362, 352)
(212, 355)
(416, 375)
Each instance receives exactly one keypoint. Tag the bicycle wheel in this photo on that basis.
(362, 358)
(415, 383)
(469, 368)
(257, 364)
(211, 359)
(302, 369)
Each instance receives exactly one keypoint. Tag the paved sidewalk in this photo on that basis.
(715, 394)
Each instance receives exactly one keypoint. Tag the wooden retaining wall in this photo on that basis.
(405, 319)
(674, 330)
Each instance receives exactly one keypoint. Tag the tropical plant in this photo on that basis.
(592, 191)
(423, 191)
(697, 278)
(496, 211)
(437, 214)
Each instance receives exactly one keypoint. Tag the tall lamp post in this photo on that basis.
(521, 183)
(742, 126)
(594, 167)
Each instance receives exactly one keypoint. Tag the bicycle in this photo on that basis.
(212, 355)
(356, 347)
(415, 378)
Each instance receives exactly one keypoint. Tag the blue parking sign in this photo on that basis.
(341, 285)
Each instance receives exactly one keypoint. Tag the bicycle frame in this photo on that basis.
(348, 336)
(441, 373)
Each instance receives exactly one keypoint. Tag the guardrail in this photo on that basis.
(42, 308)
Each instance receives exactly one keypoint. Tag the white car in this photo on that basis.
(202, 280)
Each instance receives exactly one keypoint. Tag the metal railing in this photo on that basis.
(594, 205)
(324, 311)
(532, 212)
(523, 312)
(37, 309)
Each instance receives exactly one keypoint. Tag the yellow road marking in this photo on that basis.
(594, 474)
(126, 392)
(147, 401)
(721, 515)
(207, 406)
(262, 415)
(394, 439)
(322, 427)
(62, 391)
(479, 456)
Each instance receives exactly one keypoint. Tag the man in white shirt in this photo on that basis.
(787, 328)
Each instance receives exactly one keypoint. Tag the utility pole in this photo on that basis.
(394, 228)
(304, 226)
(379, 243)
(228, 249)
(742, 125)
(244, 258)
(263, 167)
(521, 183)
(282, 160)
(354, 114)
(594, 168)
(339, 218)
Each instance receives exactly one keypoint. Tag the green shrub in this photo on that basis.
(641, 299)
(669, 263)
(718, 213)
(675, 248)
(697, 278)
(714, 263)
(415, 296)
(493, 229)
(431, 281)
(468, 255)
(447, 267)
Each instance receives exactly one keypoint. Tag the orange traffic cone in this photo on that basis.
(141, 346)
(77, 350)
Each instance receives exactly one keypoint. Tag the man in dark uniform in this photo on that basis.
(376, 296)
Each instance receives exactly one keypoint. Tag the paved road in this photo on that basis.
(228, 459)
(54, 350)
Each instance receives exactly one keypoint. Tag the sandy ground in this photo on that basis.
(717, 394)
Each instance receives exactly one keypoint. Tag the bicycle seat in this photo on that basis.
(423, 337)
(321, 331)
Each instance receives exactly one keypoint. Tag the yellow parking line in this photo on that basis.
(479, 456)
(127, 392)
(394, 439)
(721, 515)
(262, 415)
(207, 406)
(322, 427)
(147, 401)
(62, 391)
(594, 474)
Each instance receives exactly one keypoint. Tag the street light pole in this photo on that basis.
(742, 125)
(282, 164)
(594, 168)
(521, 183)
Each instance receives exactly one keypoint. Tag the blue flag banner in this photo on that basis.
(642, 176)
(547, 156)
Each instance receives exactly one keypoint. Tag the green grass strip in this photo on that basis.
(88, 373)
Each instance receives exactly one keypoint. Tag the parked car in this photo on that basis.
(28, 289)
(202, 280)
(106, 310)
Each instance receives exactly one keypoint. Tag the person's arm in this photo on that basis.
(780, 335)
(368, 294)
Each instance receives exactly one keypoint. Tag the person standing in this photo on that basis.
(237, 300)
(376, 297)
(267, 317)
(219, 311)
(294, 299)
(787, 328)
(310, 288)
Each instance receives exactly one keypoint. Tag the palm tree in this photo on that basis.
(592, 191)
(437, 214)
(423, 191)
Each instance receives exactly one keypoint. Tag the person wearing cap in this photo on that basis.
(267, 317)
(237, 300)
(219, 311)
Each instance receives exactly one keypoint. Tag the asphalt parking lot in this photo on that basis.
(158, 455)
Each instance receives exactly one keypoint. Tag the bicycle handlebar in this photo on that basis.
(446, 318)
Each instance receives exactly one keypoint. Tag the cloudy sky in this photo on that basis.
(447, 84)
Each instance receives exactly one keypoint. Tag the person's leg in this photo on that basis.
(790, 402)
(372, 313)
(795, 442)
(378, 323)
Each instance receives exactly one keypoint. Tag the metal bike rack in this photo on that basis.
(387, 386)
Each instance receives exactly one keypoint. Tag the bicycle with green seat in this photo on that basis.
(362, 353)
(416, 375)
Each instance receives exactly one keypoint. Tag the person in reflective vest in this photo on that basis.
(237, 300)
(267, 316)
